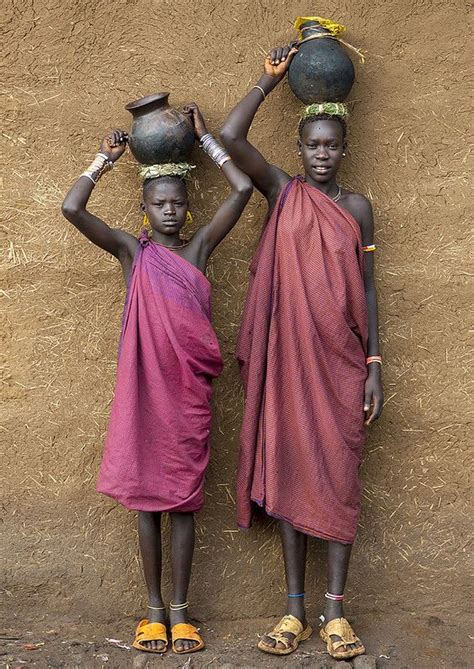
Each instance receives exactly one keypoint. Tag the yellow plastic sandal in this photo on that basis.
(341, 628)
(288, 624)
(147, 631)
(186, 632)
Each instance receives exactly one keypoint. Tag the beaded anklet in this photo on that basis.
(334, 598)
(178, 607)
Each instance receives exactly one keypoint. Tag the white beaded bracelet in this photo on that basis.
(99, 166)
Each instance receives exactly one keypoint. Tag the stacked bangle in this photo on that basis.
(214, 150)
(374, 358)
(99, 166)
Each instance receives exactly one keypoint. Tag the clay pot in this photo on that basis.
(159, 133)
(321, 71)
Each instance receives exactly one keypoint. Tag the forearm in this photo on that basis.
(238, 180)
(74, 209)
(77, 198)
(373, 347)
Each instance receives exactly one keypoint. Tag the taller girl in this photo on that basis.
(309, 355)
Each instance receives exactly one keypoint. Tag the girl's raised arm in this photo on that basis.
(116, 242)
(231, 209)
(266, 177)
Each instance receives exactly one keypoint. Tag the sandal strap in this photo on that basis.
(340, 627)
(280, 638)
(147, 631)
(288, 624)
(186, 632)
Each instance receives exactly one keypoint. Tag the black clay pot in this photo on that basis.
(321, 71)
(159, 133)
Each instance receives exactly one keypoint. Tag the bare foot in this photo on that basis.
(155, 617)
(182, 645)
(335, 610)
(296, 609)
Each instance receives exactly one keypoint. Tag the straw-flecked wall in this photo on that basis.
(71, 68)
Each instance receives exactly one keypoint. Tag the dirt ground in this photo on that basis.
(397, 641)
(71, 561)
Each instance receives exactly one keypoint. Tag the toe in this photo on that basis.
(290, 637)
(268, 641)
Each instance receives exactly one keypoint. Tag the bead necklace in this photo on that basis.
(171, 248)
(338, 195)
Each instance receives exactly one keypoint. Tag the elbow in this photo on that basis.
(247, 191)
(244, 189)
(69, 210)
(227, 137)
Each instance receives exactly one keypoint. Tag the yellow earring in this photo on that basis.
(189, 217)
(146, 222)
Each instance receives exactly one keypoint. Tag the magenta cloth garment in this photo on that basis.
(302, 348)
(157, 450)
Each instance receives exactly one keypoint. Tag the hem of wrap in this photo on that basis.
(150, 507)
(319, 534)
(244, 528)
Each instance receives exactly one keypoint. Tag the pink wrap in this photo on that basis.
(301, 349)
(157, 450)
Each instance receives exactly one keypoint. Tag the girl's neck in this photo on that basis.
(172, 241)
(329, 188)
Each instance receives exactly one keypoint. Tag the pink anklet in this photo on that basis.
(334, 598)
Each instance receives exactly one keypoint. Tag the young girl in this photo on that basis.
(309, 354)
(157, 449)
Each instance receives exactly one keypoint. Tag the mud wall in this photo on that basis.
(70, 69)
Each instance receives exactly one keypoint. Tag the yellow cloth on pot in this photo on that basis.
(334, 28)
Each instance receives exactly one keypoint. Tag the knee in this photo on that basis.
(148, 518)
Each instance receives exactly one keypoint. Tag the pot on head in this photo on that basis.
(159, 133)
(321, 71)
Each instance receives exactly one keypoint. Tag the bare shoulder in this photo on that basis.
(357, 204)
(360, 207)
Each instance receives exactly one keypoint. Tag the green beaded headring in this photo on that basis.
(338, 109)
(165, 170)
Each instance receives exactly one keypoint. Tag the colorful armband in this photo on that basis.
(374, 358)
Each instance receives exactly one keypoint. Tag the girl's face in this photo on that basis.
(321, 145)
(166, 204)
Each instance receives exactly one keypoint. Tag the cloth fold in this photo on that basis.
(301, 350)
(157, 450)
